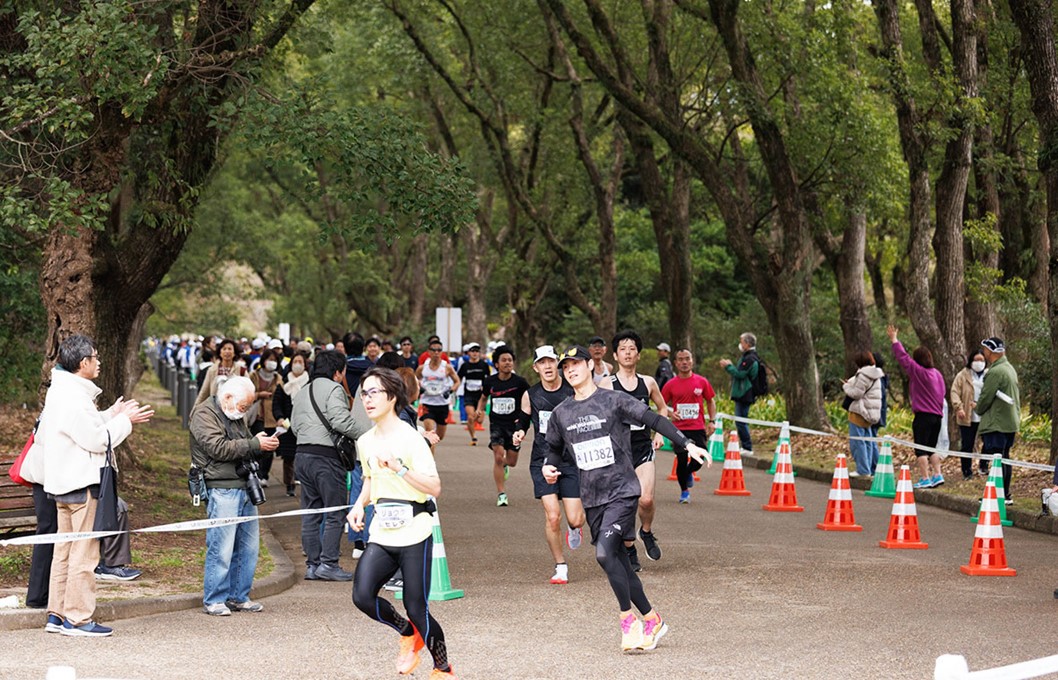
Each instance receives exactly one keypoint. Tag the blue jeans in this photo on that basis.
(742, 411)
(864, 453)
(231, 551)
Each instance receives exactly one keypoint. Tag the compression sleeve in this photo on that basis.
(524, 420)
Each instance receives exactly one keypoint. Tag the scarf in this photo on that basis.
(294, 384)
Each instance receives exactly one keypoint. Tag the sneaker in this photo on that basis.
(573, 538)
(248, 606)
(217, 609)
(685, 497)
(438, 674)
(473, 441)
(106, 573)
(332, 572)
(653, 630)
(357, 553)
(501, 500)
(937, 480)
(358, 549)
(633, 558)
(394, 585)
(54, 624)
(506, 471)
(631, 633)
(651, 545)
(290, 490)
(310, 572)
(1009, 501)
(924, 483)
(264, 482)
(561, 576)
(983, 472)
(408, 653)
(90, 629)
(853, 473)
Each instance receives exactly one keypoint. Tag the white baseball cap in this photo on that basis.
(545, 352)
(664, 347)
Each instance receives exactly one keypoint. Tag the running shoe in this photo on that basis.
(631, 633)
(651, 544)
(247, 606)
(561, 576)
(1009, 501)
(438, 674)
(938, 480)
(633, 558)
(54, 624)
(90, 629)
(217, 609)
(408, 654)
(573, 538)
(501, 500)
(394, 585)
(106, 573)
(506, 471)
(924, 483)
(473, 441)
(685, 497)
(853, 473)
(653, 630)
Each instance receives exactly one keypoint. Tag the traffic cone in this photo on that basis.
(732, 483)
(478, 427)
(884, 485)
(666, 445)
(903, 524)
(988, 557)
(784, 436)
(716, 441)
(783, 494)
(995, 475)
(840, 516)
(672, 475)
(440, 581)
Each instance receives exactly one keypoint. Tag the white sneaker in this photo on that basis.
(853, 473)
(264, 482)
(561, 576)
(357, 553)
(573, 538)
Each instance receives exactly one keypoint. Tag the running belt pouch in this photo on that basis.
(417, 508)
(345, 446)
(107, 511)
(15, 471)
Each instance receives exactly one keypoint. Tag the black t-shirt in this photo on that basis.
(541, 404)
(506, 398)
(473, 375)
(640, 434)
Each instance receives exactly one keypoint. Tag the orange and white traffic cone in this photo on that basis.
(988, 557)
(840, 516)
(673, 476)
(732, 483)
(903, 524)
(783, 494)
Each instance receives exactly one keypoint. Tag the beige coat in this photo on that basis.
(962, 397)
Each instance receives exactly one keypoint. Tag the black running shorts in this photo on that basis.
(618, 514)
(567, 486)
(503, 435)
(438, 414)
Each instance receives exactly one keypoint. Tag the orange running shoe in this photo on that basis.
(408, 656)
(438, 674)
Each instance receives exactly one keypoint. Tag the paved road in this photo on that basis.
(748, 594)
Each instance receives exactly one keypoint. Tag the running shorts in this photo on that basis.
(567, 486)
(438, 414)
(502, 435)
(619, 514)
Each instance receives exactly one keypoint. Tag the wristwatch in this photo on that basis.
(402, 471)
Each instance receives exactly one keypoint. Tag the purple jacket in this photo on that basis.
(926, 384)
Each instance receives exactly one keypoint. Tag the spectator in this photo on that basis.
(266, 380)
(221, 444)
(926, 392)
(356, 363)
(74, 437)
(372, 349)
(999, 406)
(864, 396)
(965, 391)
(228, 364)
(742, 377)
(282, 410)
(664, 372)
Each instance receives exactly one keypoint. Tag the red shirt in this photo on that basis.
(687, 397)
(425, 356)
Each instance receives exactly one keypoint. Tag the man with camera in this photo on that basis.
(222, 447)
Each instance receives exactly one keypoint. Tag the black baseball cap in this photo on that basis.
(574, 352)
(597, 340)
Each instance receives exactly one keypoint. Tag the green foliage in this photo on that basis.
(1027, 337)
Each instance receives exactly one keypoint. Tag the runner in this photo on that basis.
(473, 373)
(438, 379)
(590, 430)
(627, 345)
(400, 476)
(426, 355)
(687, 394)
(537, 405)
(407, 353)
(506, 390)
(600, 370)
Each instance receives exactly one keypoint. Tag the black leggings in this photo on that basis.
(683, 468)
(376, 566)
(611, 525)
(969, 438)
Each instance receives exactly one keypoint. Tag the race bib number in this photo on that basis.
(503, 406)
(688, 411)
(472, 386)
(594, 453)
(434, 388)
(393, 515)
(545, 418)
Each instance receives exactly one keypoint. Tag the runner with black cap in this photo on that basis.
(473, 373)
(537, 405)
(590, 430)
(505, 388)
(600, 370)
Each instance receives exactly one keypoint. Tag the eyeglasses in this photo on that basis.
(373, 392)
(405, 344)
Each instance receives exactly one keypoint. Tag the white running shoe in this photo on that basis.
(561, 576)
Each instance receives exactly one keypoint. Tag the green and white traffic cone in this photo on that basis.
(440, 580)
(995, 475)
(784, 438)
(884, 484)
(716, 441)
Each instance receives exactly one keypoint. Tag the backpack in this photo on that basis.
(760, 383)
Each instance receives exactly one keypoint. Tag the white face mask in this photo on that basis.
(739, 346)
(234, 415)
(297, 369)
(270, 365)
(978, 366)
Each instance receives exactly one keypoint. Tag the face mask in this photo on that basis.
(297, 369)
(270, 365)
(234, 415)
(978, 366)
(739, 347)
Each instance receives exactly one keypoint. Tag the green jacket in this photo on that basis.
(218, 443)
(742, 375)
(996, 414)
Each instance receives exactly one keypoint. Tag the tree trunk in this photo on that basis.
(852, 294)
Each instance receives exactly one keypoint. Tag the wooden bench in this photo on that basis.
(17, 516)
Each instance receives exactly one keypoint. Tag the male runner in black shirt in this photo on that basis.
(473, 373)
(506, 390)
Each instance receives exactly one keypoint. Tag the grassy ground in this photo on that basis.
(155, 487)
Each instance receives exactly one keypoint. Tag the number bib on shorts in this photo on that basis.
(472, 386)
(503, 406)
(594, 453)
(545, 418)
(688, 411)
(393, 515)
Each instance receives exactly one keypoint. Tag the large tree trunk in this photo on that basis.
(852, 293)
(1036, 25)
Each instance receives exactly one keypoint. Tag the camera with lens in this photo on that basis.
(247, 469)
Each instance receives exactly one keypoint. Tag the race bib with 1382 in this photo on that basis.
(594, 453)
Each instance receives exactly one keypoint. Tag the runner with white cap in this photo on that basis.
(473, 373)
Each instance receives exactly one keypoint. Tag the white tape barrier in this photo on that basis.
(192, 525)
(953, 667)
(65, 673)
(892, 440)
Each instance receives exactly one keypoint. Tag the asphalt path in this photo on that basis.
(747, 594)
